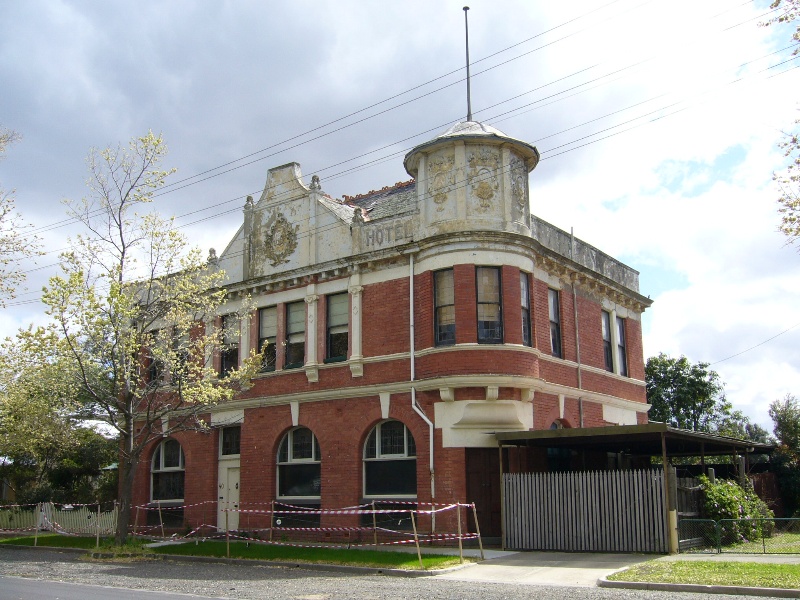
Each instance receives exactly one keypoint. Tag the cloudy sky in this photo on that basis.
(657, 123)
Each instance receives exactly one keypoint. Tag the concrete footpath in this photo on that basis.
(544, 568)
(592, 569)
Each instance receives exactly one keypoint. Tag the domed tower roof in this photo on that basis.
(472, 131)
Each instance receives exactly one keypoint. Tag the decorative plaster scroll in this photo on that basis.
(281, 239)
(446, 394)
(482, 176)
(442, 177)
(519, 188)
(492, 392)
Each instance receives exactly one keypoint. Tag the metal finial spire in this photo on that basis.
(466, 28)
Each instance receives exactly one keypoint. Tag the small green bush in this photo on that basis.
(726, 500)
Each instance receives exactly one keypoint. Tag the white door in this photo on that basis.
(228, 498)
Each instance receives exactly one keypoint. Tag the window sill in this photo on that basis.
(335, 359)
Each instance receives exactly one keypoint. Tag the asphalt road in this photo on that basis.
(47, 574)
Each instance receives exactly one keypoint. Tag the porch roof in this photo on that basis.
(634, 439)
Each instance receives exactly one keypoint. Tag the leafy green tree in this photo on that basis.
(691, 396)
(136, 311)
(16, 244)
(787, 11)
(785, 416)
(683, 394)
(49, 454)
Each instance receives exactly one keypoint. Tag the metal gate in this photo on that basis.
(599, 511)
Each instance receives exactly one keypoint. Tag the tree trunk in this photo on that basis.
(126, 476)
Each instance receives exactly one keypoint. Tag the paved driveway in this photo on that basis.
(546, 568)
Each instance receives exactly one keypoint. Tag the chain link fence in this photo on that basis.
(739, 536)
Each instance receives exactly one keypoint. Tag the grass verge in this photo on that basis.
(713, 573)
(314, 555)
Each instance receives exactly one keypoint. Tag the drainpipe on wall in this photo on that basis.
(414, 404)
(577, 345)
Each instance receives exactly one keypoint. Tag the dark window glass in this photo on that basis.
(555, 322)
(606, 325)
(231, 437)
(338, 311)
(390, 477)
(444, 308)
(167, 471)
(390, 465)
(490, 321)
(299, 464)
(622, 357)
(229, 354)
(393, 515)
(168, 485)
(525, 303)
(299, 480)
(155, 366)
(267, 336)
(295, 334)
(172, 454)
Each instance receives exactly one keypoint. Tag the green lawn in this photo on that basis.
(713, 573)
(780, 543)
(331, 556)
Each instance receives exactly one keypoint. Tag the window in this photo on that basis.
(490, 319)
(338, 307)
(622, 358)
(167, 472)
(444, 308)
(390, 461)
(607, 351)
(555, 322)
(299, 465)
(229, 440)
(229, 355)
(267, 336)
(295, 334)
(155, 365)
(525, 303)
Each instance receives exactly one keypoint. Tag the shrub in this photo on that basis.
(746, 517)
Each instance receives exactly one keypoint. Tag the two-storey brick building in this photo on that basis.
(404, 327)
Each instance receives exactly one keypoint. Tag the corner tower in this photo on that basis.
(473, 177)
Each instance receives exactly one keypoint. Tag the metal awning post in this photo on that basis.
(502, 500)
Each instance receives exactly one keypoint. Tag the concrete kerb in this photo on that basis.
(700, 589)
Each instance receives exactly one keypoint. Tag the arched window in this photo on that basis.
(299, 465)
(390, 461)
(167, 472)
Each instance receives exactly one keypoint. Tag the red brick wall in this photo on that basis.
(385, 318)
(466, 304)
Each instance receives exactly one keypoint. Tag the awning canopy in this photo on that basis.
(642, 440)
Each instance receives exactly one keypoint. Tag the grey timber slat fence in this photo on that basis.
(599, 511)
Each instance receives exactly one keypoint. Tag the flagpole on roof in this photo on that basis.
(466, 29)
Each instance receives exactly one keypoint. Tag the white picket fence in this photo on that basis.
(599, 511)
(63, 518)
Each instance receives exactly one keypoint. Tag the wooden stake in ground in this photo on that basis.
(478, 530)
(97, 527)
(36, 518)
(460, 542)
(374, 526)
(227, 536)
(161, 518)
(416, 539)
